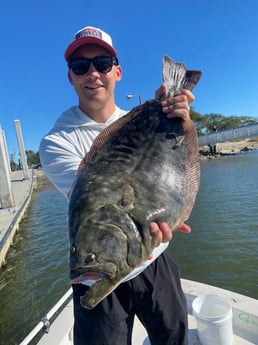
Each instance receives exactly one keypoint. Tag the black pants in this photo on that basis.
(155, 296)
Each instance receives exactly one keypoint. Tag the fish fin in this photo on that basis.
(176, 77)
(98, 291)
(191, 79)
(107, 133)
(173, 74)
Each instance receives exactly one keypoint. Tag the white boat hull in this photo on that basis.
(245, 319)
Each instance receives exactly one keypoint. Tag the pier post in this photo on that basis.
(6, 195)
(21, 148)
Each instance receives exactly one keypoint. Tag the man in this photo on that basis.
(152, 291)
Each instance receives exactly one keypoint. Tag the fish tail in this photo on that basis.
(176, 77)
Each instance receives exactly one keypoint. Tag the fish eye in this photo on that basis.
(89, 258)
(72, 250)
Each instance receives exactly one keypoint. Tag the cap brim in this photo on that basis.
(87, 40)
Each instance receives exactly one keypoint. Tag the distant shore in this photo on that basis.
(230, 148)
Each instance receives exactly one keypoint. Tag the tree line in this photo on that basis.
(33, 160)
(207, 122)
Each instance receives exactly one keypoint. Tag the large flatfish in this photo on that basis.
(143, 168)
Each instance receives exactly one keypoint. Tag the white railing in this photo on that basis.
(45, 322)
(228, 135)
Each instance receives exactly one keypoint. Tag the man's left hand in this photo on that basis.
(162, 233)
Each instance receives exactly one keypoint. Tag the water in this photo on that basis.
(36, 273)
(221, 250)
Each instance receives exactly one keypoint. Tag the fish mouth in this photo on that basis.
(88, 277)
(93, 273)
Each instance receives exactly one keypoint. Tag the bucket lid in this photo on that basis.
(213, 308)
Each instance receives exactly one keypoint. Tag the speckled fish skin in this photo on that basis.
(143, 168)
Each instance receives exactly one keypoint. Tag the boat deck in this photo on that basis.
(245, 319)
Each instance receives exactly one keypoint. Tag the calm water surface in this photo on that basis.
(36, 272)
(223, 246)
(221, 250)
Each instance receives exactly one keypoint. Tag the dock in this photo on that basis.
(10, 218)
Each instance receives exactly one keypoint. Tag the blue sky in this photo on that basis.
(219, 37)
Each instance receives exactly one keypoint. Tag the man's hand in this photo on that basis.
(177, 106)
(162, 233)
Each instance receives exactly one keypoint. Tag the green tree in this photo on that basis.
(13, 165)
(32, 158)
(206, 123)
(198, 120)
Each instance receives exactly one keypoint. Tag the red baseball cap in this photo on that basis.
(90, 35)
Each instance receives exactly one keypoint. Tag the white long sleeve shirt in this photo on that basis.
(63, 148)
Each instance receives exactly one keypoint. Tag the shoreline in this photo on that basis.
(42, 181)
(230, 148)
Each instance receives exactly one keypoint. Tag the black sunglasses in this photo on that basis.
(103, 64)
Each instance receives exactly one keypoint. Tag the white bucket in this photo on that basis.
(213, 315)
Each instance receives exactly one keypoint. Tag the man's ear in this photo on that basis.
(118, 73)
(69, 77)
